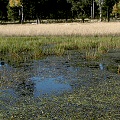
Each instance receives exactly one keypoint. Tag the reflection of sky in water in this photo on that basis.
(7, 92)
(3, 66)
(48, 86)
(46, 76)
(101, 66)
(52, 76)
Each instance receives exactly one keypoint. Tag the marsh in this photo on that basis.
(70, 86)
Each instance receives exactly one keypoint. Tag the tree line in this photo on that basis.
(23, 10)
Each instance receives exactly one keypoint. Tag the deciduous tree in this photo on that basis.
(116, 9)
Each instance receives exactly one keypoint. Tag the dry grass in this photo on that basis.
(83, 29)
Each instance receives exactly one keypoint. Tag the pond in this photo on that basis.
(36, 78)
(54, 75)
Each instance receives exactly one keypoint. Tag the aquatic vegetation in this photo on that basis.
(19, 48)
(92, 55)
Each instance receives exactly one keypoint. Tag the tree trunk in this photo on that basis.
(100, 7)
(83, 20)
(22, 16)
(108, 15)
(93, 9)
(100, 13)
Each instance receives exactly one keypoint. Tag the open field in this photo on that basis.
(83, 29)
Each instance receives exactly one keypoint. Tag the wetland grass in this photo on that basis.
(26, 48)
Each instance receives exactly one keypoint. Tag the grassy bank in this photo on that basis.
(27, 48)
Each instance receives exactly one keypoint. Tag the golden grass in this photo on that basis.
(83, 29)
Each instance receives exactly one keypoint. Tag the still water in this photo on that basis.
(37, 78)
(54, 75)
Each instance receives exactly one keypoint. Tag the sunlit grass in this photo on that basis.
(26, 48)
(86, 29)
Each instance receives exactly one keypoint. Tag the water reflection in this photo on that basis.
(36, 79)
(101, 66)
(49, 86)
(2, 65)
(52, 75)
